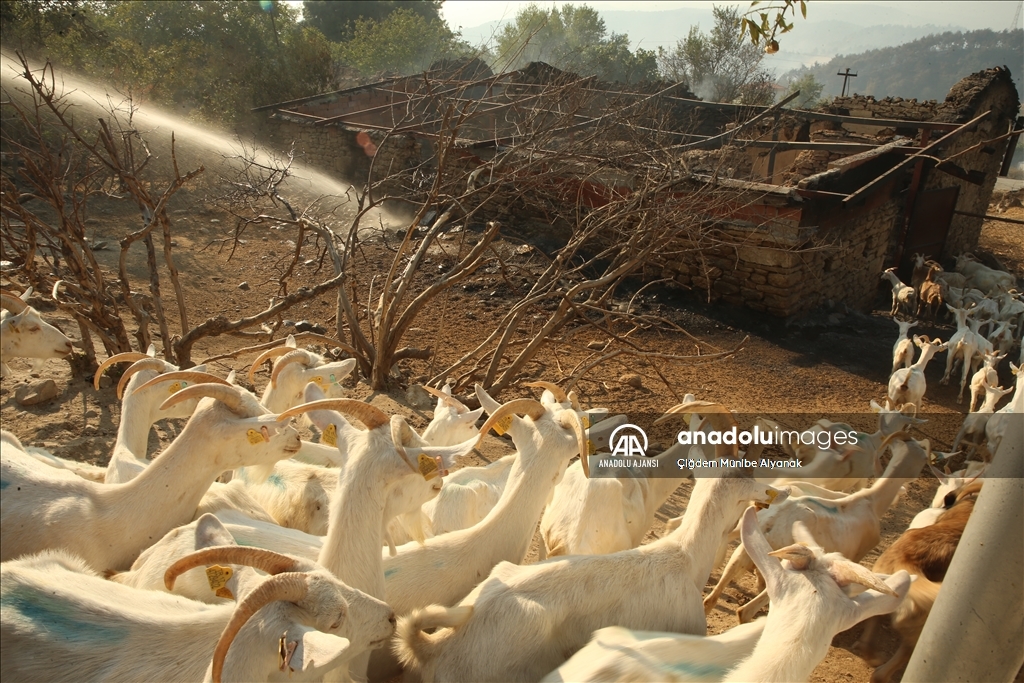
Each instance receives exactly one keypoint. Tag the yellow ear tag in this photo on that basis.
(591, 448)
(218, 577)
(320, 382)
(330, 436)
(428, 466)
(175, 387)
(503, 425)
(254, 437)
(585, 419)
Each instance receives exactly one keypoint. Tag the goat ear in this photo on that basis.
(471, 416)
(151, 351)
(875, 407)
(486, 401)
(211, 532)
(844, 572)
(312, 652)
(871, 603)
(232, 378)
(758, 549)
(290, 342)
(448, 454)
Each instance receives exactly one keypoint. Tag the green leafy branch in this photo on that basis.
(762, 26)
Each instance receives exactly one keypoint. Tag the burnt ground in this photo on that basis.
(831, 363)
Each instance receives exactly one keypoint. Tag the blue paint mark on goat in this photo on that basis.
(693, 669)
(388, 573)
(4, 484)
(826, 508)
(276, 480)
(56, 618)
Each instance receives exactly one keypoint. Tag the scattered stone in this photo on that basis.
(91, 413)
(417, 397)
(215, 220)
(632, 379)
(105, 382)
(244, 286)
(597, 345)
(90, 430)
(36, 392)
(471, 315)
(306, 326)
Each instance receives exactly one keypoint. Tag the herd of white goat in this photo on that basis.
(243, 553)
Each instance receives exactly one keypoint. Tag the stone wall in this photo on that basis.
(347, 152)
(886, 108)
(789, 269)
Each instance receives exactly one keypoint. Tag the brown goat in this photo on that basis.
(927, 553)
(930, 294)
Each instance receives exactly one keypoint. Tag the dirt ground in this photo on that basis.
(833, 364)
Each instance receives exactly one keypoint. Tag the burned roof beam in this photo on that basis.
(926, 152)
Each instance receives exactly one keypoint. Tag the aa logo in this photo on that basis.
(629, 441)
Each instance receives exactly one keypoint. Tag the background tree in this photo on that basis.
(720, 65)
(810, 91)
(573, 38)
(338, 20)
(404, 42)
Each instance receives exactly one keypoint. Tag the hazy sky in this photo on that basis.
(974, 15)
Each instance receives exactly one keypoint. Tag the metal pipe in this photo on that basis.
(975, 631)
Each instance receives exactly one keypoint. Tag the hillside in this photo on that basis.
(924, 69)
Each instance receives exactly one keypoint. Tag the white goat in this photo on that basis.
(62, 622)
(618, 654)
(850, 525)
(110, 524)
(945, 494)
(809, 606)
(902, 295)
(903, 349)
(24, 334)
(293, 370)
(975, 423)
(141, 400)
(524, 621)
(986, 377)
(1012, 414)
(981, 276)
(908, 385)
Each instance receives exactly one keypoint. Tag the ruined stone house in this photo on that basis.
(823, 202)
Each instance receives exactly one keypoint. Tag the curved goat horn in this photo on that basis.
(265, 560)
(138, 366)
(227, 394)
(576, 424)
(555, 390)
(290, 586)
(371, 416)
(267, 355)
(194, 375)
(447, 399)
(117, 358)
(400, 428)
(294, 356)
(520, 406)
(12, 303)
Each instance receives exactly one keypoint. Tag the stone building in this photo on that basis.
(822, 202)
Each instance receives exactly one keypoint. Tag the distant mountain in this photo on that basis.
(832, 29)
(925, 68)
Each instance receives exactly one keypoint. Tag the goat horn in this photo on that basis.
(715, 413)
(447, 399)
(574, 401)
(146, 363)
(398, 425)
(290, 586)
(12, 303)
(371, 416)
(226, 393)
(267, 355)
(117, 358)
(520, 406)
(265, 560)
(193, 375)
(555, 390)
(581, 438)
(294, 356)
